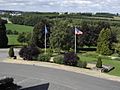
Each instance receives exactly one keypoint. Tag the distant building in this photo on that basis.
(15, 14)
(61, 13)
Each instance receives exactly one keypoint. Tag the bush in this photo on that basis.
(82, 64)
(49, 51)
(7, 84)
(11, 52)
(29, 52)
(70, 58)
(99, 63)
(58, 59)
(44, 57)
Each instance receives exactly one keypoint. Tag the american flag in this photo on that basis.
(78, 32)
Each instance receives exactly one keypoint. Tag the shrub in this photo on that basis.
(44, 57)
(11, 52)
(82, 64)
(49, 50)
(70, 58)
(57, 50)
(29, 52)
(99, 63)
(7, 84)
(58, 59)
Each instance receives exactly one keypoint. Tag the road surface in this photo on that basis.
(4, 52)
(54, 79)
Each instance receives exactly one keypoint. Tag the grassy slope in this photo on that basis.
(19, 28)
(12, 40)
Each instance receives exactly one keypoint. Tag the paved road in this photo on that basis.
(54, 79)
(4, 52)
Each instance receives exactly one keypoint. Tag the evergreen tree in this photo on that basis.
(3, 36)
(11, 52)
(104, 44)
(99, 63)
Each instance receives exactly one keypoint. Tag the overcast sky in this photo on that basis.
(112, 6)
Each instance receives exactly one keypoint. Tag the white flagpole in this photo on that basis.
(45, 39)
(75, 42)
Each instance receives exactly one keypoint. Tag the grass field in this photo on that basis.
(106, 61)
(19, 28)
(12, 39)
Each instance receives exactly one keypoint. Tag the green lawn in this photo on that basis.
(105, 60)
(12, 40)
(19, 28)
(114, 63)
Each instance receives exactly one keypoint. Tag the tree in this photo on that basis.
(62, 36)
(28, 37)
(3, 36)
(21, 38)
(17, 20)
(11, 52)
(38, 37)
(104, 44)
(99, 63)
(117, 48)
(89, 35)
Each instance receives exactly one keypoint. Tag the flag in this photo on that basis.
(78, 32)
(46, 30)
(45, 37)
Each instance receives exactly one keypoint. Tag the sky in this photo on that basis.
(111, 6)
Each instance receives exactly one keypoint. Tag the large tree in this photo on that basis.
(3, 36)
(105, 41)
(91, 33)
(62, 36)
(38, 36)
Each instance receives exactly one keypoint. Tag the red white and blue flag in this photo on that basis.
(78, 32)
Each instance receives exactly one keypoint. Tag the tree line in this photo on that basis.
(61, 34)
(31, 19)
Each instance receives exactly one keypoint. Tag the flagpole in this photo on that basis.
(75, 42)
(45, 40)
